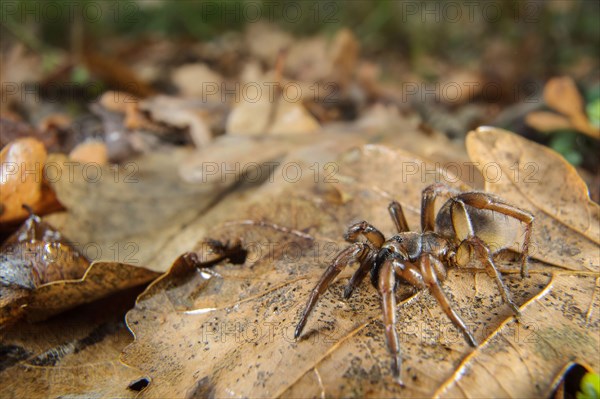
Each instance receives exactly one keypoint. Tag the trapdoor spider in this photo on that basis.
(467, 225)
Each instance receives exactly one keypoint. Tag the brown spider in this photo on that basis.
(420, 259)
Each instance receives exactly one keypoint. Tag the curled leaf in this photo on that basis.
(562, 94)
(41, 274)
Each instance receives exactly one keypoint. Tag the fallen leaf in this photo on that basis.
(199, 117)
(91, 151)
(460, 87)
(566, 229)
(73, 354)
(198, 80)
(117, 101)
(42, 274)
(21, 166)
(545, 121)
(253, 118)
(562, 94)
(227, 328)
(343, 54)
(115, 73)
(563, 324)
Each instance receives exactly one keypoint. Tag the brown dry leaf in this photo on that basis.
(117, 101)
(563, 323)
(226, 330)
(344, 54)
(116, 73)
(71, 355)
(21, 165)
(194, 80)
(562, 94)
(100, 279)
(33, 256)
(200, 118)
(90, 151)
(545, 121)
(460, 87)
(42, 274)
(567, 227)
(253, 118)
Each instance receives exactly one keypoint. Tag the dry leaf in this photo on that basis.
(21, 165)
(460, 87)
(544, 121)
(115, 73)
(91, 151)
(74, 354)
(567, 229)
(343, 54)
(42, 274)
(200, 118)
(254, 118)
(227, 330)
(117, 101)
(564, 323)
(562, 95)
(198, 80)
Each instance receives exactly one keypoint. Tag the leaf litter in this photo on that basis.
(275, 239)
(227, 329)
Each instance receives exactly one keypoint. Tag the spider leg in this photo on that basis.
(365, 266)
(373, 236)
(484, 255)
(356, 252)
(486, 201)
(461, 221)
(431, 280)
(398, 217)
(386, 285)
(428, 204)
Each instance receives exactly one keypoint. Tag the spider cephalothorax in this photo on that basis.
(467, 226)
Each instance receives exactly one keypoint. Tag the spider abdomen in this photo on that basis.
(498, 231)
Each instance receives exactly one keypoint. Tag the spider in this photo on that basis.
(465, 226)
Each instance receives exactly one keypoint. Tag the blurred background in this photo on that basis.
(451, 66)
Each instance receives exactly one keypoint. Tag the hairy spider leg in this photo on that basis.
(432, 283)
(357, 252)
(386, 286)
(461, 221)
(360, 274)
(429, 196)
(486, 201)
(398, 217)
